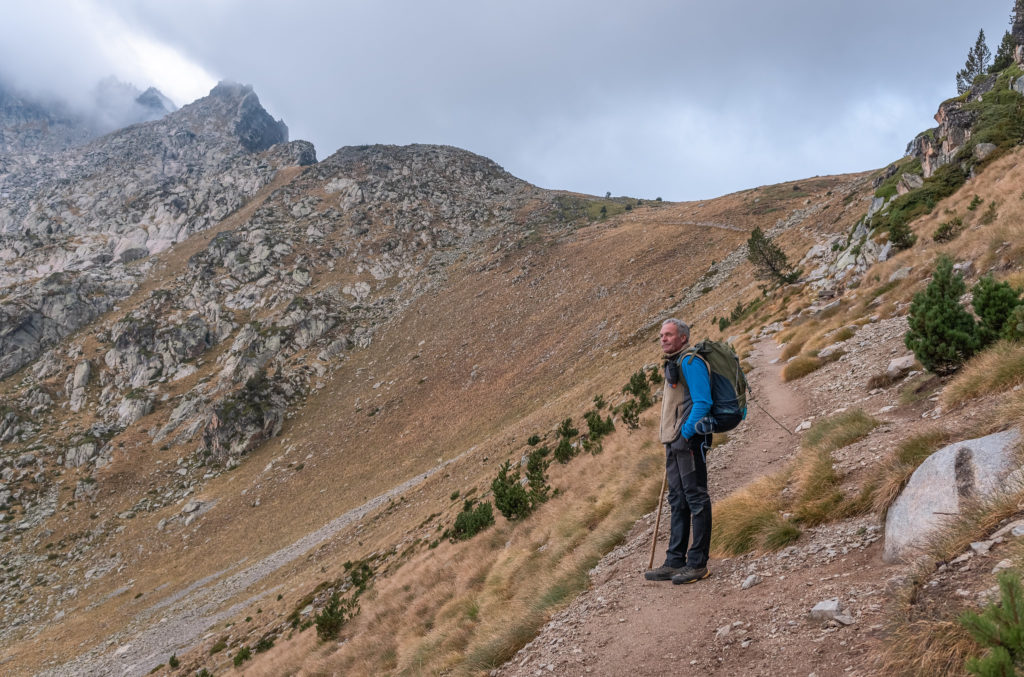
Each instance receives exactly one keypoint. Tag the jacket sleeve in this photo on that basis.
(695, 372)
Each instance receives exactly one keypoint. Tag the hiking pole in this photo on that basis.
(657, 520)
(751, 390)
(772, 417)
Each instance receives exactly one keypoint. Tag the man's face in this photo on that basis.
(671, 340)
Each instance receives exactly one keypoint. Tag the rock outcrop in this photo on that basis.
(942, 485)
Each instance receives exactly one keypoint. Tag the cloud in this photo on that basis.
(65, 49)
(676, 98)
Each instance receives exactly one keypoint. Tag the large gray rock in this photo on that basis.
(938, 489)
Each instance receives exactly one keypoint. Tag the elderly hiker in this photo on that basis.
(686, 400)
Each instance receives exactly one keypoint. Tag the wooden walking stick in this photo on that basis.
(657, 520)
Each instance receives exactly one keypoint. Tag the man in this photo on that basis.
(686, 400)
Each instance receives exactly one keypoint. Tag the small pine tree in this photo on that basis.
(510, 496)
(978, 59)
(564, 451)
(941, 334)
(471, 521)
(566, 430)
(331, 620)
(639, 388)
(993, 302)
(1004, 54)
(598, 427)
(1000, 627)
(900, 234)
(769, 260)
(536, 475)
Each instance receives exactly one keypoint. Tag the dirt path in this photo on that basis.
(625, 625)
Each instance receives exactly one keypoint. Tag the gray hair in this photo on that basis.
(682, 327)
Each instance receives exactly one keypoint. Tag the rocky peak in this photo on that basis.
(251, 124)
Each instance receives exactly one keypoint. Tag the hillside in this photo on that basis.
(237, 380)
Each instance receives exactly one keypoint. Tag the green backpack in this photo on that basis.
(728, 386)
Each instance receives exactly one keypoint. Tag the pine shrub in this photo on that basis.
(1013, 329)
(564, 451)
(640, 388)
(1000, 628)
(536, 475)
(948, 230)
(566, 429)
(769, 260)
(244, 654)
(942, 333)
(599, 427)
(629, 412)
(331, 620)
(993, 302)
(510, 496)
(471, 521)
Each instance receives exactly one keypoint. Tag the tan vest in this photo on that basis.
(675, 407)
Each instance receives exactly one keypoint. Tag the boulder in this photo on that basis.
(901, 274)
(909, 182)
(956, 473)
(983, 150)
(900, 366)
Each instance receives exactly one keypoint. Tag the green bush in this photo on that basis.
(331, 620)
(471, 521)
(510, 496)
(1000, 628)
(564, 451)
(241, 656)
(566, 430)
(536, 475)
(173, 661)
(533, 440)
(629, 412)
(989, 215)
(640, 388)
(1013, 329)
(599, 427)
(942, 333)
(948, 230)
(975, 203)
(993, 302)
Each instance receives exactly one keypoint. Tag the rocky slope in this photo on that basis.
(232, 373)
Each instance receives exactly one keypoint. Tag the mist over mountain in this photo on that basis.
(35, 123)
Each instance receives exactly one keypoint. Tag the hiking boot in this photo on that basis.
(690, 575)
(662, 573)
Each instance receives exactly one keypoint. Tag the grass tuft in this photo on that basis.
(999, 368)
(835, 432)
(801, 366)
(895, 471)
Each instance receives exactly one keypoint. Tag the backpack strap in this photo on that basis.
(692, 353)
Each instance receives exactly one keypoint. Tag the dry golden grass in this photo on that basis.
(998, 368)
(926, 647)
(895, 470)
(742, 517)
(468, 607)
(801, 366)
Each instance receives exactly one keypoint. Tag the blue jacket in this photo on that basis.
(695, 371)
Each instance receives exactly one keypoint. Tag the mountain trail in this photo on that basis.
(625, 625)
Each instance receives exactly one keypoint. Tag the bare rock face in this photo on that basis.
(89, 214)
(936, 491)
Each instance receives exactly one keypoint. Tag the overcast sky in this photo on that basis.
(649, 98)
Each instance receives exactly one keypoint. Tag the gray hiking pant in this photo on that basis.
(688, 498)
